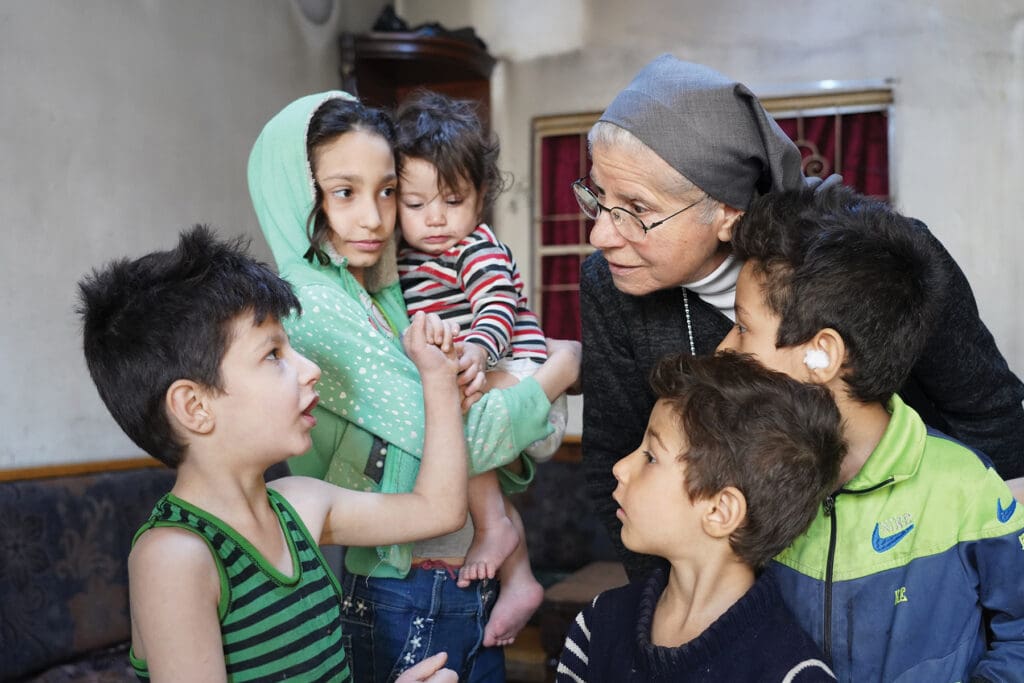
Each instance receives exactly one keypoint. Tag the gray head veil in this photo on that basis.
(711, 129)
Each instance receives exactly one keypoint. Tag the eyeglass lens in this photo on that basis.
(626, 223)
(587, 201)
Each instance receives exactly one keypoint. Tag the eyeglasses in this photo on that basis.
(626, 223)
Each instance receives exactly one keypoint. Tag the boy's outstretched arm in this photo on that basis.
(174, 591)
(437, 503)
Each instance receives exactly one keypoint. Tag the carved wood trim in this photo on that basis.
(75, 468)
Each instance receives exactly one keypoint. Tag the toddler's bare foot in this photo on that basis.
(490, 547)
(520, 597)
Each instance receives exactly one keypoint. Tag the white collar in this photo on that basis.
(719, 287)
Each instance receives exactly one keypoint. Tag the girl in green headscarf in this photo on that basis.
(322, 179)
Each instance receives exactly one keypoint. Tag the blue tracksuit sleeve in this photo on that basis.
(998, 566)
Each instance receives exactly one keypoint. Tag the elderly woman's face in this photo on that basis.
(683, 250)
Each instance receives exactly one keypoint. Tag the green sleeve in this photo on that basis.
(504, 422)
(368, 381)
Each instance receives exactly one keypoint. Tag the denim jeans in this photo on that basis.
(390, 624)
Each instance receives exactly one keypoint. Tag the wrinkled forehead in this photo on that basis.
(618, 158)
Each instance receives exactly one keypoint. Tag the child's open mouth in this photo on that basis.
(308, 412)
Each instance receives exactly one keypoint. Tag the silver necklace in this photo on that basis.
(689, 323)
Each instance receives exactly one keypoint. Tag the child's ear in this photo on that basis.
(726, 513)
(823, 356)
(188, 403)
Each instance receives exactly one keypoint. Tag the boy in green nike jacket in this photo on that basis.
(911, 569)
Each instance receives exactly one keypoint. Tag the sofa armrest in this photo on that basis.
(64, 545)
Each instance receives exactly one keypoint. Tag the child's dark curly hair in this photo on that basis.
(777, 440)
(449, 134)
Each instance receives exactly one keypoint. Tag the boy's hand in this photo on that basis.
(429, 671)
(472, 368)
(429, 343)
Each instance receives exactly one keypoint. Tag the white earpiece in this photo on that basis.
(816, 359)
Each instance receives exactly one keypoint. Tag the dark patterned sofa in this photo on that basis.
(64, 543)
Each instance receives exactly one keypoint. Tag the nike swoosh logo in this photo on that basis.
(1004, 515)
(882, 543)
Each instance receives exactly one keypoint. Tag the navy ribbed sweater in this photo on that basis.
(756, 640)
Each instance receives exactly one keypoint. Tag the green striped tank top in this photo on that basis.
(273, 627)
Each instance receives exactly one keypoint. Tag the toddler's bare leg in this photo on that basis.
(499, 379)
(494, 535)
(521, 593)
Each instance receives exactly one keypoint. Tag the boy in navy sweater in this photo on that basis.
(734, 464)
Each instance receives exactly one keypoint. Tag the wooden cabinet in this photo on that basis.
(383, 67)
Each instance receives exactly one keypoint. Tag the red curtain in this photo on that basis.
(563, 160)
(862, 153)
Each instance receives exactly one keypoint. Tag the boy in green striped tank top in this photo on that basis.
(226, 580)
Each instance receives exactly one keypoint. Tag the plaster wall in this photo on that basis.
(123, 123)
